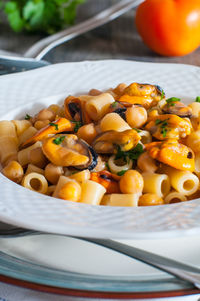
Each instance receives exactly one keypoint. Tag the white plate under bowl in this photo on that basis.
(22, 207)
(69, 263)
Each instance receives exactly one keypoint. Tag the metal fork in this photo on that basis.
(34, 55)
(180, 270)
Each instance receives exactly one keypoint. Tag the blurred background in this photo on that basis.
(115, 40)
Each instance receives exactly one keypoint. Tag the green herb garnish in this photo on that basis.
(197, 99)
(55, 125)
(163, 125)
(162, 95)
(137, 130)
(27, 117)
(132, 154)
(114, 104)
(121, 173)
(78, 124)
(107, 166)
(59, 140)
(171, 101)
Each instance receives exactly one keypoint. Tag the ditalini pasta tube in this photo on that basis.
(156, 183)
(23, 155)
(197, 164)
(92, 192)
(116, 199)
(8, 148)
(113, 121)
(28, 133)
(34, 168)
(36, 182)
(7, 128)
(21, 125)
(98, 106)
(145, 137)
(175, 197)
(184, 182)
(117, 168)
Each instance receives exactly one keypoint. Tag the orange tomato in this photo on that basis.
(169, 27)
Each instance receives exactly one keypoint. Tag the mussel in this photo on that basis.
(177, 108)
(68, 150)
(75, 110)
(107, 142)
(144, 94)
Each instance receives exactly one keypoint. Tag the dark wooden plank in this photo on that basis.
(116, 40)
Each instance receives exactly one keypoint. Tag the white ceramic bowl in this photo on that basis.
(28, 91)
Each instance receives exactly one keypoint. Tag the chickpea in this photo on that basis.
(71, 191)
(131, 182)
(39, 124)
(94, 92)
(53, 172)
(193, 141)
(87, 132)
(136, 116)
(46, 114)
(13, 171)
(54, 108)
(150, 199)
(37, 157)
(146, 163)
(120, 88)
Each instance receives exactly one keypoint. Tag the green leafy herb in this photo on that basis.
(163, 126)
(55, 125)
(27, 117)
(46, 16)
(114, 104)
(78, 124)
(171, 101)
(107, 166)
(121, 173)
(137, 130)
(197, 99)
(162, 95)
(59, 140)
(158, 121)
(132, 154)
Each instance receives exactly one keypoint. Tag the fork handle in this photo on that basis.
(178, 269)
(42, 47)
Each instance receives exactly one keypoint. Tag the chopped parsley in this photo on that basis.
(114, 104)
(27, 117)
(78, 124)
(55, 125)
(197, 99)
(59, 140)
(107, 166)
(132, 154)
(121, 173)
(171, 101)
(163, 126)
(162, 95)
(137, 130)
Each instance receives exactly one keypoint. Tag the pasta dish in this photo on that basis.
(126, 146)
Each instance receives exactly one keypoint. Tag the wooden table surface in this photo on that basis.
(115, 40)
